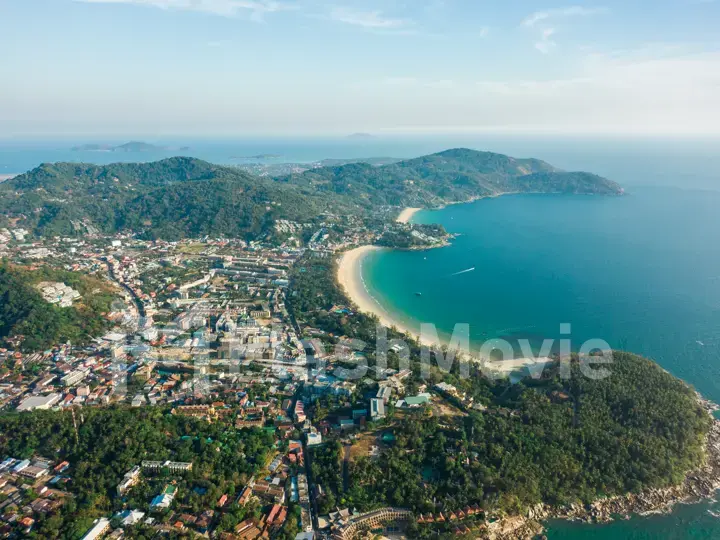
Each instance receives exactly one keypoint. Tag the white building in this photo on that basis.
(39, 402)
(100, 528)
(130, 517)
(313, 439)
(58, 293)
(130, 479)
(73, 377)
(377, 408)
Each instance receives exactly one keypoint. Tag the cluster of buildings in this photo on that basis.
(346, 524)
(202, 327)
(58, 293)
(176, 304)
(29, 490)
(266, 526)
(286, 483)
(18, 234)
(61, 377)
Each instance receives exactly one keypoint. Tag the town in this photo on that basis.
(204, 330)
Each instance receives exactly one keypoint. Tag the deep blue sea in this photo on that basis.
(640, 271)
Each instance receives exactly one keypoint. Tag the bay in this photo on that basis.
(641, 272)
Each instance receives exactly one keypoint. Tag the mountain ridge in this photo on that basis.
(454, 175)
(182, 196)
(131, 146)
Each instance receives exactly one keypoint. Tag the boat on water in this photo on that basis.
(464, 271)
(418, 294)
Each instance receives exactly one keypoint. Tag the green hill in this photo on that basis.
(24, 312)
(171, 198)
(450, 176)
(180, 197)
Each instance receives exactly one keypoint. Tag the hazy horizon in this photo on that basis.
(225, 68)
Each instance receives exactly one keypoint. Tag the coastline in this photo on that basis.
(407, 214)
(349, 276)
(699, 484)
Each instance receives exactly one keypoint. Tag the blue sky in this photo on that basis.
(237, 67)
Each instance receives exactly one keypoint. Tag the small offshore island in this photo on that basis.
(182, 267)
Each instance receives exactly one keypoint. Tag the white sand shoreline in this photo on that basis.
(349, 276)
(407, 214)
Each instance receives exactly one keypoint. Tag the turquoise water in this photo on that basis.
(641, 272)
(686, 522)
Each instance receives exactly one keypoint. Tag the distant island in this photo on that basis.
(360, 136)
(132, 146)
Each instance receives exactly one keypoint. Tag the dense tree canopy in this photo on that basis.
(450, 176)
(110, 441)
(24, 312)
(185, 197)
(549, 440)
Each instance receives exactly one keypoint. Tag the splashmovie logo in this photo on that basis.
(496, 358)
(354, 359)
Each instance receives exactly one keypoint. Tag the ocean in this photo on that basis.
(640, 271)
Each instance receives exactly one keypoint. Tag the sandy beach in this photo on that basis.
(407, 214)
(350, 278)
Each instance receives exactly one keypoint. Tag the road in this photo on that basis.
(138, 304)
(311, 486)
(346, 468)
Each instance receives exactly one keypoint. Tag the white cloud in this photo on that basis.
(633, 93)
(542, 20)
(572, 11)
(484, 32)
(374, 20)
(226, 8)
(642, 91)
(546, 44)
(396, 81)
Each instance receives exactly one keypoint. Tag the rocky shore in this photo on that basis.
(700, 484)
